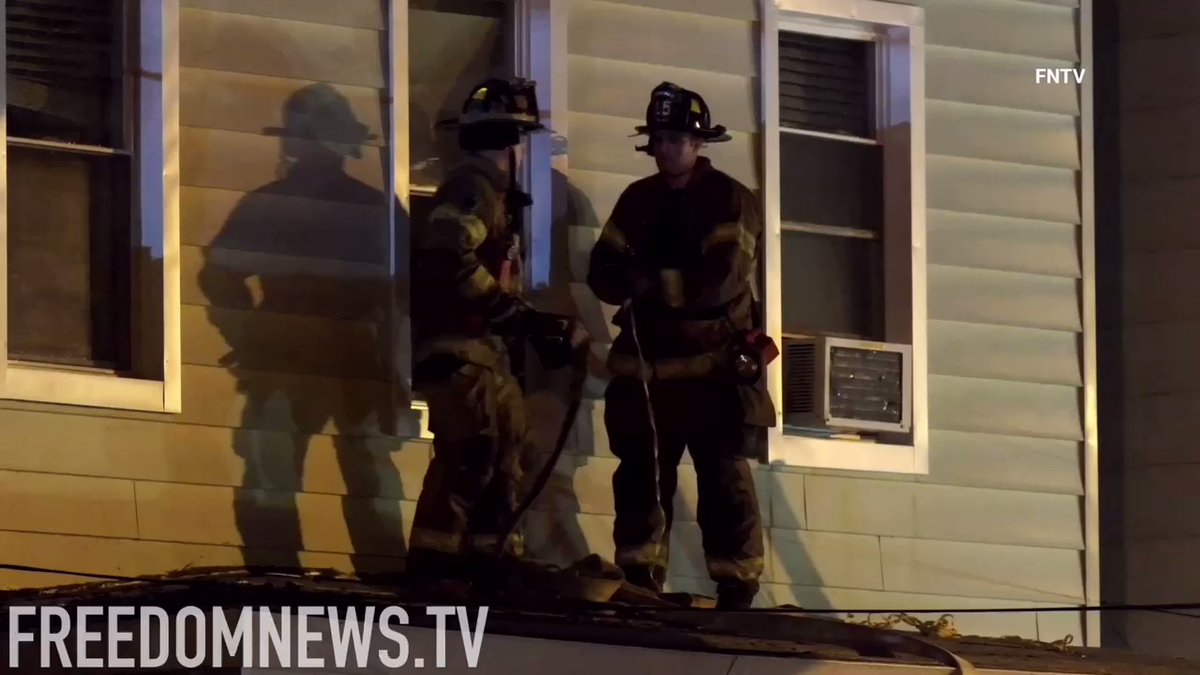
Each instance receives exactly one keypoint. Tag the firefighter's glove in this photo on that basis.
(437, 368)
(555, 338)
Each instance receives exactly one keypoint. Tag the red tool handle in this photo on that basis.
(764, 345)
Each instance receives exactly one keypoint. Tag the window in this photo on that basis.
(453, 45)
(90, 308)
(844, 258)
(831, 161)
(442, 48)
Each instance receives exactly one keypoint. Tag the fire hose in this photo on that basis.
(644, 376)
(579, 374)
(575, 394)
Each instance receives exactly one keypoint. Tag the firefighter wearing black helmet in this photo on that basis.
(679, 254)
(466, 312)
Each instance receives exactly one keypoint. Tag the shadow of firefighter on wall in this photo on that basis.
(315, 242)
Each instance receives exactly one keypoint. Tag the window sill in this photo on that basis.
(96, 390)
(803, 452)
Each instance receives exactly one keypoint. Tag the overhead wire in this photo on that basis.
(1175, 608)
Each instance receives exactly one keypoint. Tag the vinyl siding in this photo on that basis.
(286, 452)
(998, 520)
(284, 457)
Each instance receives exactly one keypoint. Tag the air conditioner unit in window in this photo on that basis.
(844, 385)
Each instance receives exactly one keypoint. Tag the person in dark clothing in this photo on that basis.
(466, 311)
(679, 255)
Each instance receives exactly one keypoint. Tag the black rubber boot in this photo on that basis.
(486, 570)
(643, 577)
(736, 595)
(426, 565)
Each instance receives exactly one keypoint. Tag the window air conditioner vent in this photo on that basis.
(799, 371)
(839, 384)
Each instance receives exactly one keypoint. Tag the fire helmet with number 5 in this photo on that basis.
(675, 109)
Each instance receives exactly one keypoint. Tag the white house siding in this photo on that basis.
(998, 521)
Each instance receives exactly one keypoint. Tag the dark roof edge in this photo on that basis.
(732, 633)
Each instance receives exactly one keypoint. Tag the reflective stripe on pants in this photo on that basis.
(434, 540)
(649, 554)
(746, 569)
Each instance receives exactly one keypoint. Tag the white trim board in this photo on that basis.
(1091, 459)
(399, 206)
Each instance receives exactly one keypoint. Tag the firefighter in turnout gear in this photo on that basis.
(679, 255)
(466, 311)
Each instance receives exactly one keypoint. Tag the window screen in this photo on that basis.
(69, 171)
(825, 84)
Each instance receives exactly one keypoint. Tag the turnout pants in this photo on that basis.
(703, 415)
(477, 417)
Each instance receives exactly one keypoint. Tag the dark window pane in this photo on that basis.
(831, 285)
(831, 182)
(68, 257)
(65, 70)
(454, 45)
(825, 84)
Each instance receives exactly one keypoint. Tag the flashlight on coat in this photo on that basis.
(750, 352)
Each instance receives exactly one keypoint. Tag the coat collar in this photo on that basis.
(699, 171)
(498, 177)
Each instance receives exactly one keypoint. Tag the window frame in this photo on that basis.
(157, 183)
(901, 127)
(539, 36)
(541, 29)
